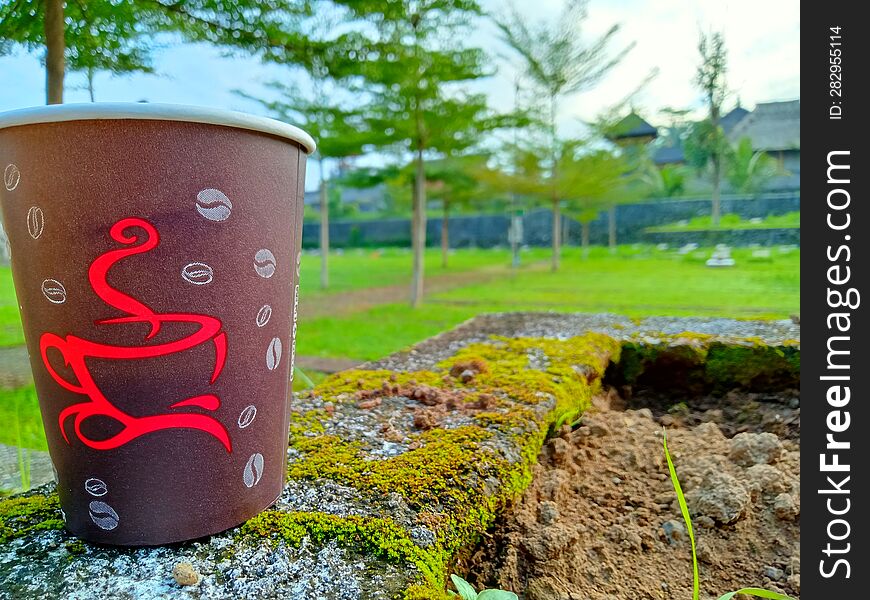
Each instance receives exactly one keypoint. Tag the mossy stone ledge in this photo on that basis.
(396, 469)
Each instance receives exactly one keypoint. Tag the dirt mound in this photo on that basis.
(601, 520)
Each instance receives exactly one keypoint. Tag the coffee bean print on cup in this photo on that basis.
(103, 515)
(11, 177)
(273, 354)
(253, 470)
(213, 205)
(263, 315)
(96, 487)
(35, 222)
(54, 291)
(247, 417)
(197, 273)
(264, 263)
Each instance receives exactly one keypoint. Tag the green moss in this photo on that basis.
(342, 386)
(699, 364)
(381, 538)
(455, 479)
(75, 547)
(23, 515)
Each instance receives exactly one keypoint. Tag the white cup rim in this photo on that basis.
(57, 113)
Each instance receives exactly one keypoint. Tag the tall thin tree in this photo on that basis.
(559, 60)
(706, 145)
(410, 52)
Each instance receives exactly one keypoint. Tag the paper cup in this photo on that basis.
(155, 254)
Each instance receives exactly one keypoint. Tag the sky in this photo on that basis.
(762, 38)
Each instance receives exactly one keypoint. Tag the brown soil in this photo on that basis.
(601, 519)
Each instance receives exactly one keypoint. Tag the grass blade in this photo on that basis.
(684, 508)
(305, 378)
(757, 592)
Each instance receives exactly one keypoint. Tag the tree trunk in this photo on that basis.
(324, 230)
(445, 234)
(91, 84)
(557, 216)
(557, 234)
(418, 233)
(717, 181)
(611, 228)
(585, 239)
(55, 46)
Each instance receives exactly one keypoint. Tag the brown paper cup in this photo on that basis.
(155, 254)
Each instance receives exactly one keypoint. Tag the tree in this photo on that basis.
(593, 180)
(340, 133)
(747, 170)
(107, 34)
(408, 52)
(587, 178)
(706, 145)
(560, 63)
(81, 36)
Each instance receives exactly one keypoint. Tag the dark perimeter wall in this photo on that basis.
(486, 231)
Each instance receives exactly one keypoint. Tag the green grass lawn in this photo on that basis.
(22, 424)
(638, 281)
(363, 268)
(732, 221)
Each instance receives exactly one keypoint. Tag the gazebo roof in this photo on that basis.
(632, 126)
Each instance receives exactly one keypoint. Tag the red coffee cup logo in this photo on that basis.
(76, 352)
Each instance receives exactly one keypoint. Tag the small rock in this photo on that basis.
(773, 573)
(710, 431)
(561, 451)
(767, 479)
(545, 588)
(185, 574)
(785, 508)
(466, 376)
(719, 496)
(548, 512)
(749, 449)
(644, 413)
(598, 430)
(674, 532)
(369, 404)
(704, 521)
(705, 553)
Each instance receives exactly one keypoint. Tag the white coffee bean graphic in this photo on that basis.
(264, 263)
(11, 177)
(96, 487)
(54, 291)
(263, 315)
(35, 222)
(213, 205)
(103, 515)
(253, 470)
(247, 417)
(197, 273)
(273, 354)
